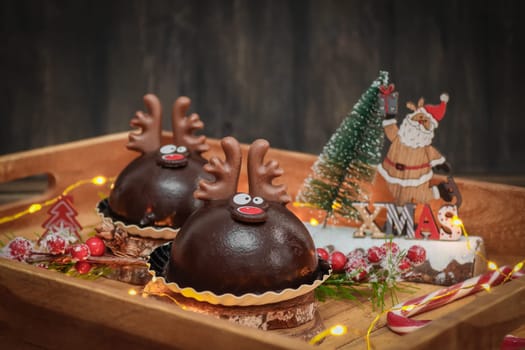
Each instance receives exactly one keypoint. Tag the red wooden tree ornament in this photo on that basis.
(62, 219)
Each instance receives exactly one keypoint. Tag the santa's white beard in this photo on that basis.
(414, 135)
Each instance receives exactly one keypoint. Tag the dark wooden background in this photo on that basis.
(288, 71)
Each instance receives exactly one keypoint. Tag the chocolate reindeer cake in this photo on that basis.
(242, 257)
(153, 196)
(241, 243)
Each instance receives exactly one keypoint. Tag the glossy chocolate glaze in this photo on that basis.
(148, 194)
(215, 252)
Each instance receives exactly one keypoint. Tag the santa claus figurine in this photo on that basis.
(410, 161)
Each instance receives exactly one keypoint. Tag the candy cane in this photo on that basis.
(398, 317)
(511, 342)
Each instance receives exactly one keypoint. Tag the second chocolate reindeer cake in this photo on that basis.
(153, 196)
(241, 243)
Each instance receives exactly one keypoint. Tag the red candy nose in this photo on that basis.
(174, 156)
(249, 210)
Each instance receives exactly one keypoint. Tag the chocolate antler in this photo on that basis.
(147, 139)
(185, 126)
(226, 173)
(260, 176)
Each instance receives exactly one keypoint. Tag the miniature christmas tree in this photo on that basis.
(349, 159)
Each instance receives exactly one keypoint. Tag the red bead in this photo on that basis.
(417, 254)
(19, 249)
(96, 246)
(83, 267)
(338, 261)
(55, 244)
(79, 251)
(404, 265)
(391, 247)
(375, 254)
(323, 254)
(357, 269)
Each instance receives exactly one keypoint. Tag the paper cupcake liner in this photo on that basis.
(166, 233)
(159, 259)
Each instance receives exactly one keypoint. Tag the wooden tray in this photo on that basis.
(44, 309)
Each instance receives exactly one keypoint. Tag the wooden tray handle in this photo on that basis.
(65, 164)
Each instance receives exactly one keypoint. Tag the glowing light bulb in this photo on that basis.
(457, 221)
(132, 292)
(338, 330)
(99, 180)
(408, 307)
(517, 267)
(34, 208)
(335, 330)
(486, 286)
(492, 266)
(314, 222)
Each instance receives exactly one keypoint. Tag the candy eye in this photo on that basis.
(182, 149)
(168, 149)
(258, 200)
(241, 198)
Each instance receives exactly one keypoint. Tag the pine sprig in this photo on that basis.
(380, 291)
(343, 287)
(69, 270)
(338, 286)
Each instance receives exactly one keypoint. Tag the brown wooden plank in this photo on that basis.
(50, 309)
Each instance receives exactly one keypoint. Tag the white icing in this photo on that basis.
(439, 253)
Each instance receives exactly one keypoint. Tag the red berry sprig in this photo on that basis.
(404, 265)
(360, 264)
(375, 254)
(96, 246)
(18, 249)
(55, 244)
(55, 249)
(337, 261)
(83, 267)
(417, 255)
(323, 254)
(390, 247)
(380, 267)
(79, 252)
(357, 269)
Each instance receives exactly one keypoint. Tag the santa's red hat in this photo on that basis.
(438, 111)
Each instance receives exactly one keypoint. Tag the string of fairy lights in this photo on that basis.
(336, 330)
(36, 207)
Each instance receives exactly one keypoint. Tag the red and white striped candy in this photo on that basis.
(398, 317)
(511, 342)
